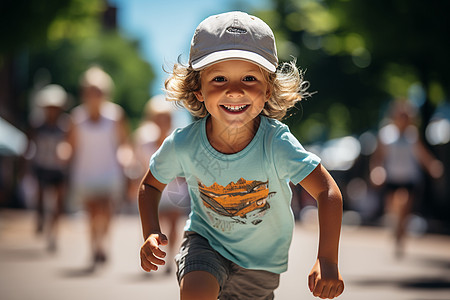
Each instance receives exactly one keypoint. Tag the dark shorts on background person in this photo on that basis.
(391, 186)
(47, 177)
(235, 282)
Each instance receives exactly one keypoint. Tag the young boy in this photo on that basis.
(238, 160)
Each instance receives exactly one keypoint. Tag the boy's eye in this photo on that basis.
(219, 79)
(249, 78)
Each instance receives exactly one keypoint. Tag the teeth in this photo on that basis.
(235, 107)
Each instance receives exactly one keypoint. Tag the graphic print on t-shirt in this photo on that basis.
(243, 202)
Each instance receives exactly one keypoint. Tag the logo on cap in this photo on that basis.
(236, 30)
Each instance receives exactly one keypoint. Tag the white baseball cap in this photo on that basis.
(233, 35)
(51, 95)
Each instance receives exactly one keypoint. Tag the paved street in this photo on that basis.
(367, 263)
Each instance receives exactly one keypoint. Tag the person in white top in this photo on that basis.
(99, 130)
(397, 164)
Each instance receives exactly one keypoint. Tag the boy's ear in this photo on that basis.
(199, 96)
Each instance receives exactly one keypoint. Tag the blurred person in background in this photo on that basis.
(49, 158)
(397, 164)
(99, 131)
(174, 203)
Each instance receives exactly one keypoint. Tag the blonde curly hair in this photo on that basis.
(287, 87)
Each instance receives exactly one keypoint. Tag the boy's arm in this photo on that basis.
(325, 280)
(430, 163)
(149, 195)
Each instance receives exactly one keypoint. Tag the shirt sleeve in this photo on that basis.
(292, 161)
(164, 163)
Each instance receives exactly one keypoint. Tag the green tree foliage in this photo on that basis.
(359, 55)
(25, 22)
(408, 40)
(57, 40)
(67, 59)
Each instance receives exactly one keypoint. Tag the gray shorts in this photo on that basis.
(235, 282)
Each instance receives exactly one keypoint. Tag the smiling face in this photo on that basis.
(234, 93)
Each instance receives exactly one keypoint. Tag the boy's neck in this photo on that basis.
(231, 140)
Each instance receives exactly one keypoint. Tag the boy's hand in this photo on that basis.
(324, 280)
(151, 254)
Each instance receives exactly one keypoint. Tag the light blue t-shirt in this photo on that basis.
(239, 202)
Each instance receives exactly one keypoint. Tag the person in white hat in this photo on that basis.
(97, 137)
(49, 162)
(238, 159)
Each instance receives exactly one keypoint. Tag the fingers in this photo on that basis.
(340, 289)
(332, 292)
(151, 253)
(318, 288)
(149, 262)
(154, 248)
(312, 281)
(325, 294)
(147, 266)
(324, 280)
(162, 239)
(325, 289)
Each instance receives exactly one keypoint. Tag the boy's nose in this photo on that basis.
(234, 90)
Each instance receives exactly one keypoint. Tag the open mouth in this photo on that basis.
(235, 108)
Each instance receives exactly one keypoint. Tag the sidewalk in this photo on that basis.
(367, 264)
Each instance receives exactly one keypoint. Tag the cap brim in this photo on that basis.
(230, 55)
(50, 103)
